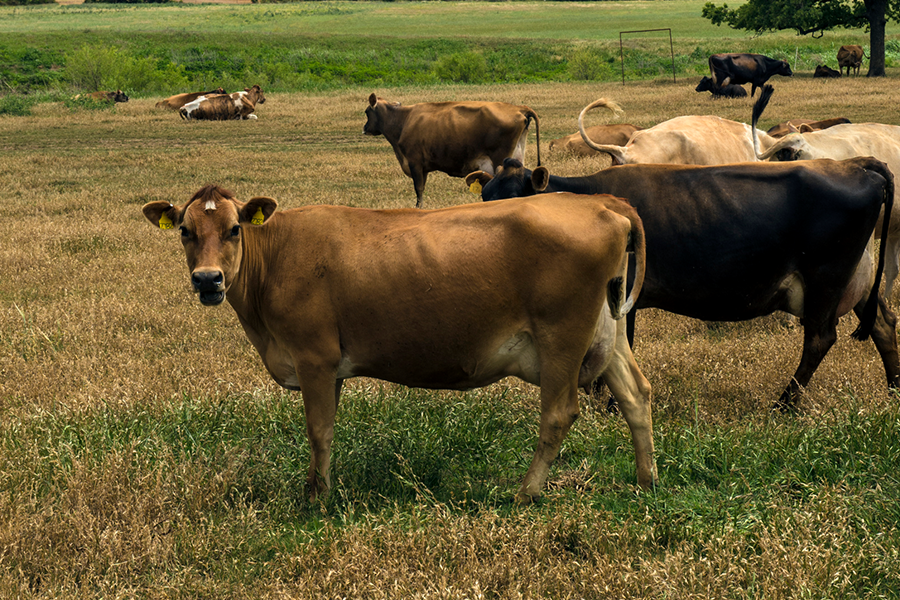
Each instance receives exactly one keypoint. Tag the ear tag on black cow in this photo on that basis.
(258, 218)
(475, 188)
(165, 222)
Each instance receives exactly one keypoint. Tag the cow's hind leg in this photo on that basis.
(884, 334)
(559, 409)
(632, 390)
(819, 336)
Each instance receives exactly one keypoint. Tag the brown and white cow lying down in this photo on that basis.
(224, 107)
(739, 241)
(178, 100)
(839, 142)
(455, 298)
(691, 140)
(616, 134)
(803, 125)
(455, 138)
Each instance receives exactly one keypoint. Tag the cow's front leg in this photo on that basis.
(559, 409)
(419, 177)
(320, 392)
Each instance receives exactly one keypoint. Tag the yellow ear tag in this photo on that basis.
(165, 222)
(258, 218)
(475, 188)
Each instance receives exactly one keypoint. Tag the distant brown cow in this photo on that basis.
(850, 56)
(224, 107)
(803, 125)
(755, 69)
(825, 71)
(178, 100)
(116, 96)
(455, 138)
(617, 135)
(725, 90)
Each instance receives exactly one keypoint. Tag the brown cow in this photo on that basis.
(803, 125)
(455, 138)
(850, 56)
(617, 134)
(824, 71)
(224, 107)
(116, 96)
(178, 100)
(725, 90)
(454, 298)
(740, 68)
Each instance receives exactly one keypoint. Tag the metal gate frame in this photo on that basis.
(622, 51)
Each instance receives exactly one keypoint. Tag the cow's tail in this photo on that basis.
(758, 109)
(636, 244)
(617, 152)
(529, 115)
(870, 311)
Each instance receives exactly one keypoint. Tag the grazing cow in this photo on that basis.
(726, 90)
(840, 142)
(116, 96)
(850, 56)
(224, 107)
(825, 71)
(755, 69)
(454, 298)
(691, 140)
(803, 125)
(453, 137)
(617, 135)
(177, 101)
(734, 242)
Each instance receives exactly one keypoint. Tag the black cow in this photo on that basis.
(826, 71)
(726, 90)
(746, 68)
(735, 242)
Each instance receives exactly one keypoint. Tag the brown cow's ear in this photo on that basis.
(540, 177)
(162, 214)
(373, 99)
(258, 210)
(805, 128)
(793, 128)
(477, 177)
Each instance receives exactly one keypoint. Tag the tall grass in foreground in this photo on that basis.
(145, 452)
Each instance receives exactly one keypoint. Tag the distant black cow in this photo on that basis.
(726, 90)
(735, 242)
(746, 68)
(826, 71)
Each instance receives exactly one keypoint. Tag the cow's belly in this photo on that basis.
(429, 366)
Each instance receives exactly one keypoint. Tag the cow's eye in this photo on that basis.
(185, 233)
(236, 231)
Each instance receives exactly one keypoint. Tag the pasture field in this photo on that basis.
(145, 452)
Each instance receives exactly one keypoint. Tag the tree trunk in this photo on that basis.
(875, 13)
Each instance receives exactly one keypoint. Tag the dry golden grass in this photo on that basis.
(96, 310)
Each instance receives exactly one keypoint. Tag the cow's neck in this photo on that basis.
(576, 185)
(244, 292)
(395, 118)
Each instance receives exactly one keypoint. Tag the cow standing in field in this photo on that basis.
(726, 90)
(455, 298)
(755, 69)
(226, 107)
(803, 125)
(739, 241)
(840, 142)
(455, 138)
(850, 56)
(690, 140)
(178, 100)
(617, 134)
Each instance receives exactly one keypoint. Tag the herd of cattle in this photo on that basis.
(699, 216)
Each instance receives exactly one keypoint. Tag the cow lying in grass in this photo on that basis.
(178, 100)
(224, 107)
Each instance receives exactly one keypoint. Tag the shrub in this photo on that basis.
(24, 2)
(461, 67)
(585, 65)
(16, 105)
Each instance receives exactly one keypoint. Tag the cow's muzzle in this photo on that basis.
(210, 285)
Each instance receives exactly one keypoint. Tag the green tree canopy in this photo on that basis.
(813, 17)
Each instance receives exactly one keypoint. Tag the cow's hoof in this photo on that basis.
(525, 499)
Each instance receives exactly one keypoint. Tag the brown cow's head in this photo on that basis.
(376, 114)
(255, 94)
(211, 225)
